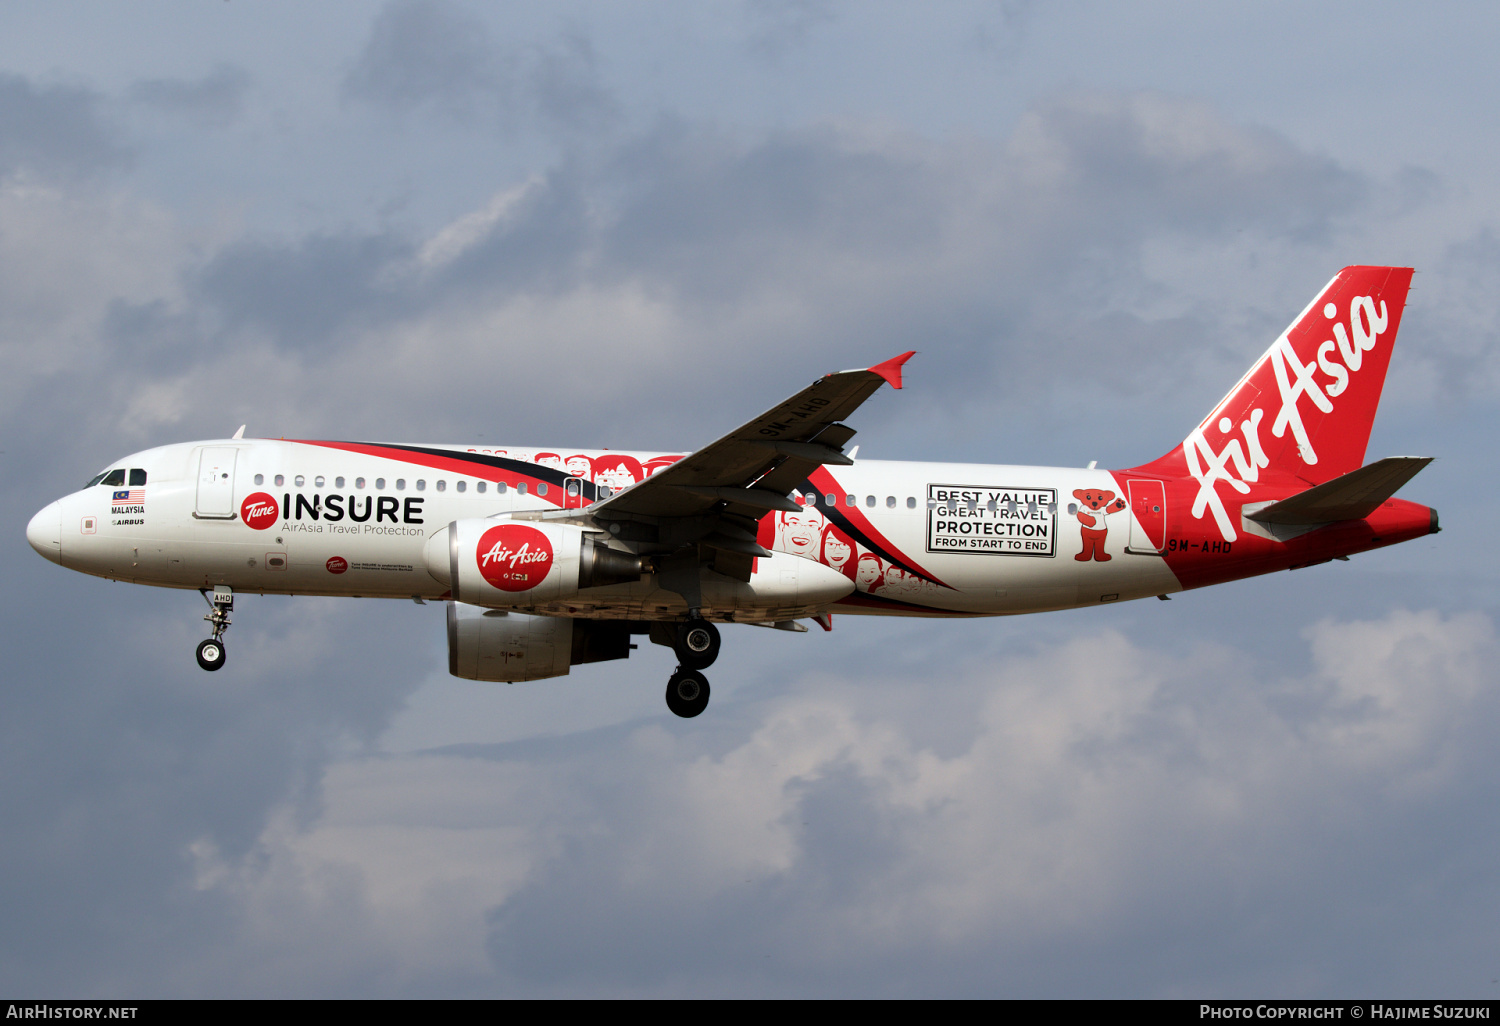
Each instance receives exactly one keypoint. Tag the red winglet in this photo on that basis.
(891, 369)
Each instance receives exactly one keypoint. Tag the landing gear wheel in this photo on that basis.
(211, 654)
(697, 644)
(687, 693)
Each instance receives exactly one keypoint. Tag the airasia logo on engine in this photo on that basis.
(258, 511)
(514, 557)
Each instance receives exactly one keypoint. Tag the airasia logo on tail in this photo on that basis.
(514, 557)
(259, 511)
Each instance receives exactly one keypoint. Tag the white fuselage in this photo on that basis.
(985, 539)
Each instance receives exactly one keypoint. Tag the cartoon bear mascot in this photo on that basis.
(1100, 503)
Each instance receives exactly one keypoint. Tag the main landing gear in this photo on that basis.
(211, 650)
(697, 646)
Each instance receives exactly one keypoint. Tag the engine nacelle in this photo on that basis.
(494, 645)
(499, 563)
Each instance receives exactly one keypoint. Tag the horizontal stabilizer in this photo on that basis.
(1352, 496)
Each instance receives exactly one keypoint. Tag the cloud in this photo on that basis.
(779, 25)
(54, 130)
(215, 100)
(1095, 784)
(428, 52)
(435, 54)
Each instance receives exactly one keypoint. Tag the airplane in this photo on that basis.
(548, 559)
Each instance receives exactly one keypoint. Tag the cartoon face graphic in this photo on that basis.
(1095, 498)
(870, 575)
(616, 472)
(580, 466)
(899, 583)
(548, 459)
(801, 532)
(837, 549)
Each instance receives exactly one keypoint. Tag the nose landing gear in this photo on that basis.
(697, 646)
(211, 650)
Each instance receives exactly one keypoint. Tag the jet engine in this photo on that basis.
(495, 645)
(499, 563)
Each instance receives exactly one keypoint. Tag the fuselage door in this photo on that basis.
(1148, 521)
(216, 482)
(573, 493)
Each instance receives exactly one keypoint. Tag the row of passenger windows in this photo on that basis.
(871, 501)
(117, 478)
(812, 499)
(420, 484)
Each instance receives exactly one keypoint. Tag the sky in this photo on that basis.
(635, 226)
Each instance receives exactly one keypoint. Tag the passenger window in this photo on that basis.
(115, 477)
(932, 504)
(890, 502)
(318, 481)
(911, 502)
(379, 484)
(831, 499)
(541, 487)
(442, 485)
(299, 480)
(850, 500)
(421, 485)
(359, 482)
(521, 488)
(870, 501)
(137, 477)
(462, 485)
(479, 487)
(500, 487)
(338, 482)
(260, 479)
(400, 484)
(280, 480)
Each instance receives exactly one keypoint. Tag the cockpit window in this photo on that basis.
(114, 477)
(95, 480)
(137, 477)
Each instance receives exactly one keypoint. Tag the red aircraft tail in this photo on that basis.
(1306, 407)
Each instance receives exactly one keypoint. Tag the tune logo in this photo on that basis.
(258, 511)
(336, 564)
(514, 557)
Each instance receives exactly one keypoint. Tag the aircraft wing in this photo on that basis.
(751, 469)
(717, 495)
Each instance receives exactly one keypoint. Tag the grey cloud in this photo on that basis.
(302, 293)
(429, 52)
(436, 54)
(216, 100)
(1097, 803)
(54, 129)
(567, 87)
(777, 26)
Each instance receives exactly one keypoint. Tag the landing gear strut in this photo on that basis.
(211, 650)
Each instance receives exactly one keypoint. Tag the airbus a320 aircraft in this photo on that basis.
(548, 559)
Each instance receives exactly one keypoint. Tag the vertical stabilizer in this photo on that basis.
(1306, 407)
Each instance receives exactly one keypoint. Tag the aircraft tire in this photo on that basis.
(211, 654)
(687, 693)
(697, 644)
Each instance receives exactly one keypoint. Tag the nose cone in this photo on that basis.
(45, 532)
